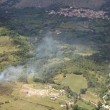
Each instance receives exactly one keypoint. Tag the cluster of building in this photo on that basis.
(85, 13)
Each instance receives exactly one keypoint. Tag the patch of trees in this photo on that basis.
(70, 93)
(38, 80)
(43, 80)
(78, 72)
(101, 39)
(91, 84)
(83, 91)
(23, 78)
(24, 47)
(76, 107)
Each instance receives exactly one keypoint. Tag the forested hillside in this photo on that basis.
(54, 56)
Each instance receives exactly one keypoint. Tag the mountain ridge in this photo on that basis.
(92, 4)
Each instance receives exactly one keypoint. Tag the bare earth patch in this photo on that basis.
(46, 92)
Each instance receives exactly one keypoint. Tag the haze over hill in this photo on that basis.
(93, 4)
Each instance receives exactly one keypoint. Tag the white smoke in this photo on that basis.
(49, 47)
(48, 58)
(50, 54)
(11, 73)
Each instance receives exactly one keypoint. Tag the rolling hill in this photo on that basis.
(93, 4)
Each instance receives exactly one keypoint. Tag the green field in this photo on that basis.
(19, 101)
(75, 82)
(35, 103)
(85, 105)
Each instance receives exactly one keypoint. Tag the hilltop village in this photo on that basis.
(85, 13)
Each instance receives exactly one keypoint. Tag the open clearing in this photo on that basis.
(34, 96)
(91, 97)
(31, 97)
(85, 105)
(75, 82)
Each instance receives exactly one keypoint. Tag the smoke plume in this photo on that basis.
(47, 59)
